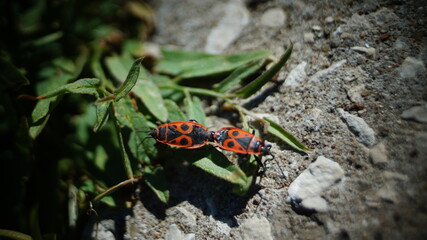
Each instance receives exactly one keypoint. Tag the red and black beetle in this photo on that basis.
(239, 141)
(186, 134)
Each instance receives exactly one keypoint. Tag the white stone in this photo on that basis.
(297, 75)
(318, 204)
(370, 52)
(235, 18)
(256, 228)
(273, 17)
(411, 67)
(310, 184)
(308, 37)
(363, 132)
(389, 175)
(329, 19)
(387, 193)
(316, 28)
(378, 154)
(417, 113)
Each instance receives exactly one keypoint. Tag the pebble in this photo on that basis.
(363, 132)
(106, 230)
(175, 234)
(411, 67)
(378, 155)
(329, 19)
(417, 113)
(401, 44)
(308, 37)
(355, 93)
(389, 175)
(256, 228)
(235, 18)
(316, 203)
(322, 73)
(316, 28)
(305, 191)
(296, 76)
(187, 218)
(387, 194)
(370, 51)
(273, 17)
(383, 17)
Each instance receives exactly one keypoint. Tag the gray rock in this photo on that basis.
(306, 189)
(411, 67)
(187, 218)
(175, 234)
(401, 44)
(359, 128)
(296, 76)
(417, 113)
(256, 228)
(370, 52)
(383, 17)
(273, 17)
(378, 155)
(235, 18)
(322, 73)
(106, 230)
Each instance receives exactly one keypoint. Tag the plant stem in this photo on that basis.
(114, 188)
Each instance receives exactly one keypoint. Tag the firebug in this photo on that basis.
(239, 141)
(186, 134)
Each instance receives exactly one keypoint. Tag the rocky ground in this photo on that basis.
(354, 91)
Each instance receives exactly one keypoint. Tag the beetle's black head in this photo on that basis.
(266, 150)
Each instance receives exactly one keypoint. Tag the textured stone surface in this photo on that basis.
(306, 189)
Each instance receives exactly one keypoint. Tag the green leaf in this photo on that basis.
(174, 112)
(258, 83)
(130, 82)
(214, 162)
(55, 77)
(195, 109)
(281, 133)
(119, 66)
(125, 157)
(193, 64)
(109, 201)
(127, 116)
(237, 76)
(34, 222)
(150, 95)
(156, 180)
(81, 86)
(102, 114)
(11, 78)
(9, 234)
(250, 168)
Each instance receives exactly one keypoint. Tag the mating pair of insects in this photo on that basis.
(191, 135)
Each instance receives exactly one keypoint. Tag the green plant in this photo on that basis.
(83, 138)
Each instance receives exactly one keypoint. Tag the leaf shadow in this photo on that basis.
(213, 196)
